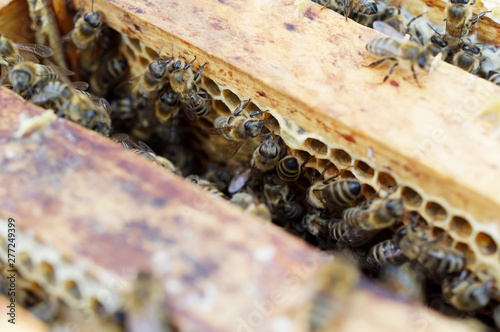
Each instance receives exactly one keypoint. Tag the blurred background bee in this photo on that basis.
(398, 50)
(87, 28)
(350, 7)
(145, 151)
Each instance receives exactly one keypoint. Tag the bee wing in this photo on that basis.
(188, 109)
(43, 97)
(80, 85)
(146, 147)
(40, 50)
(388, 30)
(98, 101)
(232, 149)
(239, 181)
(119, 138)
(217, 131)
(29, 57)
(124, 88)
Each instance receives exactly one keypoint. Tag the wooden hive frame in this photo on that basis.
(300, 86)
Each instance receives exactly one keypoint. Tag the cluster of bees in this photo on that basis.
(423, 44)
(331, 212)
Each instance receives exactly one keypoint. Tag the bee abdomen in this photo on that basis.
(338, 231)
(382, 46)
(113, 70)
(289, 168)
(342, 192)
(443, 260)
(386, 252)
(494, 76)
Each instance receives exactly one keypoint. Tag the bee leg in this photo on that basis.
(415, 75)
(189, 64)
(326, 4)
(199, 71)
(376, 63)
(390, 72)
(476, 18)
(346, 9)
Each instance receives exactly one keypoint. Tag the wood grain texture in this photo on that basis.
(24, 321)
(312, 72)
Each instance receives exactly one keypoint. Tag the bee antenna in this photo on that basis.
(257, 113)
(242, 106)
(432, 28)
(413, 19)
(92, 9)
(189, 64)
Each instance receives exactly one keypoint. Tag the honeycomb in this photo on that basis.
(61, 278)
(478, 241)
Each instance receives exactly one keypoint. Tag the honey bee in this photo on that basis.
(250, 204)
(144, 305)
(397, 49)
(494, 76)
(167, 105)
(331, 194)
(435, 258)
(289, 168)
(108, 73)
(145, 151)
(459, 20)
(386, 252)
(280, 200)
(468, 58)
(53, 94)
(182, 80)
(236, 128)
(392, 16)
(381, 213)
(10, 52)
(336, 284)
(404, 281)
(465, 293)
(148, 83)
(87, 28)
(206, 185)
(346, 235)
(82, 110)
(315, 224)
(26, 76)
(123, 108)
(349, 8)
(266, 156)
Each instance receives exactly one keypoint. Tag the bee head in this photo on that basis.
(439, 41)
(94, 19)
(169, 97)
(254, 127)
(395, 207)
(20, 80)
(269, 149)
(158, 68)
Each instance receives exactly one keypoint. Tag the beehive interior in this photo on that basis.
(53, 275)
